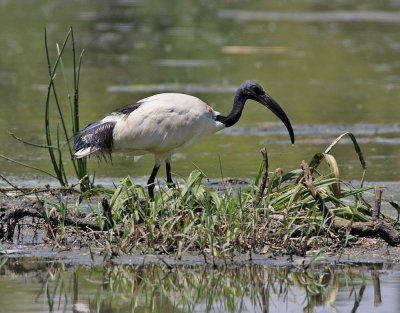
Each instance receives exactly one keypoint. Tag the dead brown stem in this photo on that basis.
(107, 213)
(308, 183)
(378, 199)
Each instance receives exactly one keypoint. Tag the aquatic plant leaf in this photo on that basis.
(333, 166)
(356, 147)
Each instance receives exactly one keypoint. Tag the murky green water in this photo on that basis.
(34, 285)
(333, 66)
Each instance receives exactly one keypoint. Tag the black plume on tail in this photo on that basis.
(96, 138)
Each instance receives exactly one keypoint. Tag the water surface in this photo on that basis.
(333, 67)
(36, 285)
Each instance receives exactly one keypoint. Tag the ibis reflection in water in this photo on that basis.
(163, 123)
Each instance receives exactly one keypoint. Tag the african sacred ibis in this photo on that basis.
(163, 123)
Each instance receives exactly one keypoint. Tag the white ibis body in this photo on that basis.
(163, 123)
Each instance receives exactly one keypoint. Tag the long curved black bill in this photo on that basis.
(271, 104)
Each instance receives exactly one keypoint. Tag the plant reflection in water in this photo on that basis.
(245, 288)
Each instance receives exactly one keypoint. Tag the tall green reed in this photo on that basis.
(54, 143)
(55, 152)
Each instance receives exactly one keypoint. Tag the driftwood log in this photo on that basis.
(10, 215)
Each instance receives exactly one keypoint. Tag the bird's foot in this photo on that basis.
(171, 185)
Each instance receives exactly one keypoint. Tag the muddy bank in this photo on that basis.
(85, 241)
(31, 241)
(365, 250)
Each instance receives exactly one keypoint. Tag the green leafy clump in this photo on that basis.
(195, 217)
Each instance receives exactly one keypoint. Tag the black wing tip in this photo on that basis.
(97, 137)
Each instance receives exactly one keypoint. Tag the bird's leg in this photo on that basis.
(170, 183)
(150, 182)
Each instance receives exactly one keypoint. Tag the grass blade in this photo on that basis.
(28, 166)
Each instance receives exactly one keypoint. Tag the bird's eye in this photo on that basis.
(256, 89)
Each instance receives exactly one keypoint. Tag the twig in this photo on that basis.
(15, 187)
(377, 207)
(308, 183)
(28, 166)
(38, 189)
(107, 213)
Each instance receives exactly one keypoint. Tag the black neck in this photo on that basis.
(234, 116)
